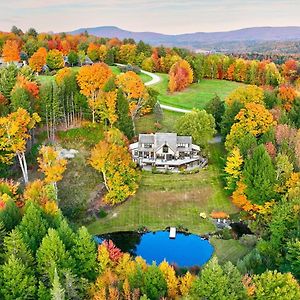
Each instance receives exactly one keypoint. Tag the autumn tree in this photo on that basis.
(233, 167)
(51, 165)
(275, 285)
(54, 59)
(247, 94)
(112, 158)
(287, 94)
(171, 279)
(127, 53)
(14, 133)
(199, 124)
(91, 80)
(180, 76)
(134, 90)
(254, 119)
(92, 52)
(10, 51)
(38, 60)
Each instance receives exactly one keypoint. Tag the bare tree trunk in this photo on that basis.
(23, 165)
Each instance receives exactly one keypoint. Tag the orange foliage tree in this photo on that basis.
(38, 60)
(91, 80)
(287, 94)
(11, 51)
(181, 75)
(134, 90)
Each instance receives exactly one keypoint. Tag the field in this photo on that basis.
(146, 124)
(169, 200)
(197, 95)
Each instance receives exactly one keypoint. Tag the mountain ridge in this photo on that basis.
(264, 33)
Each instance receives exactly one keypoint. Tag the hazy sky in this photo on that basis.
(165, 16)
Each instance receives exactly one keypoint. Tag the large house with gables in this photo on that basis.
(166, 152)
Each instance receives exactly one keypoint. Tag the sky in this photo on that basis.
(164, 16)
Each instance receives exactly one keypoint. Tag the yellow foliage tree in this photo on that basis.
(112, 158)
(185, 283)
(51, 165)
(14, 133)
(171, 279)
(180, 76)
(254, 119)
(246, 94)
(233, 166)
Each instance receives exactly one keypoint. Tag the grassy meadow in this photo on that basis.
(197, 94)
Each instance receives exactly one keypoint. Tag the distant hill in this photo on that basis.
(201, 39)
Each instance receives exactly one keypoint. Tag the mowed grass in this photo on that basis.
(169, 200)
(229, 250)
(197, 94)
(146, 124)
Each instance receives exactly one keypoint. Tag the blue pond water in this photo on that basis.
(186, 250)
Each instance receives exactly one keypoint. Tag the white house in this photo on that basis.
(166, 151)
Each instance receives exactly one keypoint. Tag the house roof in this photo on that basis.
(159, 139)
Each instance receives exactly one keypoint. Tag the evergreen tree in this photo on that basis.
(8, 78)
(57, 291)
(154, 283)
(85, 254)
(52, 255)
(66, 234)
(158, 112)
(259, 176)
(32, 220)
(10, 216)
(216, 108)
(294, 113)
(214, 283)
(124, 122)
(21, 97)
(16, 282)
(14, 245)
(228, 117)
(110, 57)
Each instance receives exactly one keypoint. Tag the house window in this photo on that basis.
(182, 145)
(165, 149)
(148, 145)
(136, 153)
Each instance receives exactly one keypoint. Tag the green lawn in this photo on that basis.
(146, 124)
(168, 200)
(197, 95)
(229, 250)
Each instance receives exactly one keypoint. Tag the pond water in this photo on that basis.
(186, 250)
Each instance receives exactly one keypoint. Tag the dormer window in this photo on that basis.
(165, 149)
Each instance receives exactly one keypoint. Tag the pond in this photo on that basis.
(186, 250)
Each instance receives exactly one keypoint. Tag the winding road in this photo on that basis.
(156, 79)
